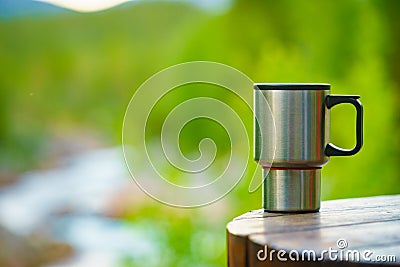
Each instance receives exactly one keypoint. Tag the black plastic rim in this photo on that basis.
(292, 86)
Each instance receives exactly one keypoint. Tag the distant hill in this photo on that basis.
(17, 8)
(24, 8)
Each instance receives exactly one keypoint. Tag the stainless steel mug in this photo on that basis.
(294, 142)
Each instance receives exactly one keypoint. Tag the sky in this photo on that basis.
(87, 5)
(97, 5)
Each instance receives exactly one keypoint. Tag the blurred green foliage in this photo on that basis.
(80, 71)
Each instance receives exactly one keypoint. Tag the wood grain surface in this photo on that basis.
(362, 231)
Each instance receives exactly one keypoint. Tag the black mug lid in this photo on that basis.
(292, 86)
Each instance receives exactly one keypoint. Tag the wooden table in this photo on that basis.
(367, 228)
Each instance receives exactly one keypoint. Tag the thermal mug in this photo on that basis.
(294, 144)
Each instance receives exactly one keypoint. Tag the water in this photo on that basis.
(71, 202)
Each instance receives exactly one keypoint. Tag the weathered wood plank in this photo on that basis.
(358, 236)
(325, 218)
(339, 205)
(365, 223)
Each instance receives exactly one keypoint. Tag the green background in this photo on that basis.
(64, 75)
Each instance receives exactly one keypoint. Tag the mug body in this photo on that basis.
(292, 141)
(298, 131)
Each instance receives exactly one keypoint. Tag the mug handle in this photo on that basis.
(333, 100)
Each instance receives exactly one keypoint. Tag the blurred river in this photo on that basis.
(71, 204)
